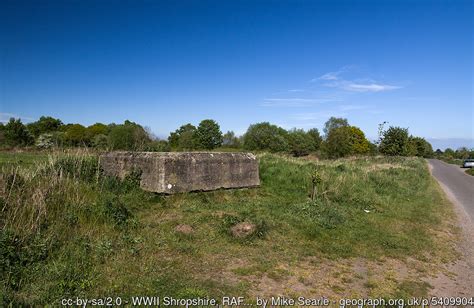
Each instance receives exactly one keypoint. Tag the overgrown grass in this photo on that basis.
(66, 230)
(470, 171)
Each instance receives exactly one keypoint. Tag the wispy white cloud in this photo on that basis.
(335, 80)
(296, 90)
(328, 76)
(371, 87)
(331, 76)
(352, 86)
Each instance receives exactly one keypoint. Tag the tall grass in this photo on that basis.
(46, 207)
(68, 230)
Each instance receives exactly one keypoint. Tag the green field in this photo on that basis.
(377, 227)
(21, 158)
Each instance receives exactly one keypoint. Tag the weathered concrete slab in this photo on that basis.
(185, 171)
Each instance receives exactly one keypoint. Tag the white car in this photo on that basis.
(468, 163)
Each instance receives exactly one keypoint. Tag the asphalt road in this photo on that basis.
(457, 181)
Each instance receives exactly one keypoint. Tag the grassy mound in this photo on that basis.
(67, 230)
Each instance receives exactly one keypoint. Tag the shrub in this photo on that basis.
(315, 137)
(300, 142)
(45, 141)
(209, 135)
(128, 136)
(265, 136)
(184, 138)
(16, 134)
(395, 141)
(96, 129)
(76, 135)
(359, 144)
(346, 140)
(338, 142)
(418, 146)
(44, 125)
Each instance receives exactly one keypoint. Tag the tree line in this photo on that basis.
(339, 138)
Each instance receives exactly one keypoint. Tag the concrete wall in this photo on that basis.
(185, 171)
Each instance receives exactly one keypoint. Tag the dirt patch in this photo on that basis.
(184, 229)
(334, 279)
(243, 229)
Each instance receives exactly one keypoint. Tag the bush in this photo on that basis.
(209, 135)
(45, 141)
(301, 143)
(395, 142)
(76, 135)
(95, 130)
(128, 136)
(359, 144)
(16, 134)
(184, 138)
(265, 136)
(338, 142)
(346, 140)
(418, 146)
(44, 125)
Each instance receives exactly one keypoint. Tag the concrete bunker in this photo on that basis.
(184, 171)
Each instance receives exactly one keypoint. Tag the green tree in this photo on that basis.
(395, 142)
(313, 133)
(209, 135)
(44, 125)
(96, 129)
(128, 136)
(265, 136)
(346, 140)
(184, 138)
(359, 144)
(338, 142)
(16, 134)
(449, 152)
(76, 135)
(229, 139)
(419, 147)
(301, 143)
(334, 123)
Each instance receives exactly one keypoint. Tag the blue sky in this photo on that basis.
(292, 63)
